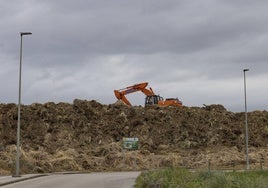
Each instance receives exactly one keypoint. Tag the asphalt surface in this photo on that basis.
(94, 180)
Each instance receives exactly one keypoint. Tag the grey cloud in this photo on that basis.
(88, 48)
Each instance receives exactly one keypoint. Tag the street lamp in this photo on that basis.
(246, 118)
(19, 103)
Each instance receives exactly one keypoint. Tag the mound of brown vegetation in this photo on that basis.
(87, 135)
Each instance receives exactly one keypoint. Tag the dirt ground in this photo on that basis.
(87, 136)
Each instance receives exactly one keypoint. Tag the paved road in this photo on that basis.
(94, 180)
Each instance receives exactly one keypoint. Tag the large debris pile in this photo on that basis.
(87, 135)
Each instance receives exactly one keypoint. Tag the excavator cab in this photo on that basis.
(152, 99)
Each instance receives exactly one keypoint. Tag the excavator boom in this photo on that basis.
(150, 99)
(120, 93)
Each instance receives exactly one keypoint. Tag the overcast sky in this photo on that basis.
(193, 50)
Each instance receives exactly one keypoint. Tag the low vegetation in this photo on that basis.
(179, 177)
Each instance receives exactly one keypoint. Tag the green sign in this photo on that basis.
(130, 143)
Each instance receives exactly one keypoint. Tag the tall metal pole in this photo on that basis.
(19, 104)
(246, 118)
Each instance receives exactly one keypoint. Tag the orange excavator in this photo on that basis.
(151, 97)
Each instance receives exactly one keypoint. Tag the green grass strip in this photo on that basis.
(180, 177)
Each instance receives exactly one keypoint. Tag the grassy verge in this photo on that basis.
(178, 177)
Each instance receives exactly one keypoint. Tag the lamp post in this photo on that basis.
(246, 118)
(19, 104)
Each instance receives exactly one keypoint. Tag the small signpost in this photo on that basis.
(131, 144)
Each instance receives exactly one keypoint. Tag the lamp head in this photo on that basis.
(246, 70)
(25, 33)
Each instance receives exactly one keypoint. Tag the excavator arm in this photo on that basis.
(151, 98)
(120, 94)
